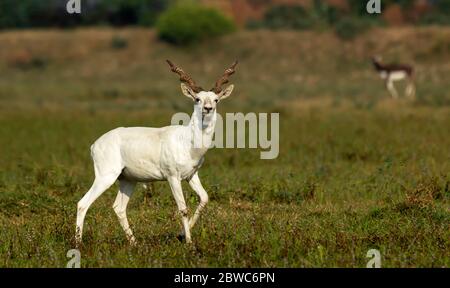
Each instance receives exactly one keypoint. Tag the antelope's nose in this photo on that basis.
(207, 109)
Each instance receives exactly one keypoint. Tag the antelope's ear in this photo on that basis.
(226, 93)
(187, 91)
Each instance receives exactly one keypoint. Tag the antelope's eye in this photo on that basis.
(217, 100)
(197, 100)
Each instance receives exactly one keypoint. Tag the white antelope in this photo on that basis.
(141, 154)
(393, 72)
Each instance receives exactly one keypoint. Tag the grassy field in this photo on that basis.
(356, 170)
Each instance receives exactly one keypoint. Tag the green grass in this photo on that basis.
(355, 171)
(342, 185)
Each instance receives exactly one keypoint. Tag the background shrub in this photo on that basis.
(27, 13)
(288, 16)
(188, 23)
(134, 12)
(324, 13)
(52, 13)
(440, 15)
(319, 16)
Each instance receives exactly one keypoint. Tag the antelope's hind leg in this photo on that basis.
(411, 90)
(126, 189)
(100, 185)
(391, 88)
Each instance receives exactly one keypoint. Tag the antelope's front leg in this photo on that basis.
(196, 185)
(391, 88)
(175, 186)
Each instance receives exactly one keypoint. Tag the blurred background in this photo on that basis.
(114, 51)
(356, 170)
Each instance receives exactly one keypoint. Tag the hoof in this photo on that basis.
(78, 242)
(181, 237)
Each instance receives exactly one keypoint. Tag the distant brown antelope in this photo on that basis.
(395, 72)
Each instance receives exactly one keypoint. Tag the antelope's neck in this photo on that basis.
(202, 130)
(378, 66)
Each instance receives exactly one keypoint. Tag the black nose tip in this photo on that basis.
(208, 109)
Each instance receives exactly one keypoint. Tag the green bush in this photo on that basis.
(443, 6)
(348, 28)
(319, 15)
(287, 16)
(188, 23)
(440, 14)
(52, 13)
(326, 13)
(435, 19)
(134, 12)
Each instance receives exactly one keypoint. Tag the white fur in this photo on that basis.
(399, 75)
(141, 154)
(392, 77)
